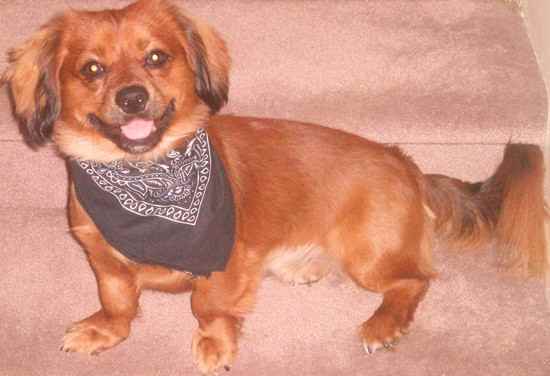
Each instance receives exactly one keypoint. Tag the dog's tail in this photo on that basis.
(507, 210)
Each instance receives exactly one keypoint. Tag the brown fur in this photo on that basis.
(305, 196)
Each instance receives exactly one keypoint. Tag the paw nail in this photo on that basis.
(369, 350)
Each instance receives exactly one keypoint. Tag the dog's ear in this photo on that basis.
(208, 57)
(32, 82)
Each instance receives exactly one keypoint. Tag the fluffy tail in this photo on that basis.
(507, 210)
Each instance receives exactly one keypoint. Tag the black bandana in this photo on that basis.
(177, 212)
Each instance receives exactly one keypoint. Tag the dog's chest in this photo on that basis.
(177, 212)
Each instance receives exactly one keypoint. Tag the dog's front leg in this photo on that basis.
(220, 303)
(118, 294)
(117, 287)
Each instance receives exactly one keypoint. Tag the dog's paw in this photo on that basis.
(212, 354)
(92, 336)
(381, 332)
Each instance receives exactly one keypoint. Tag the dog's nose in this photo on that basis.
(132, 99)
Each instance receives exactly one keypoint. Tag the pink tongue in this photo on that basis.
(138, 129)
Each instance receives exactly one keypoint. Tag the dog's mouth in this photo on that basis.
(137, 134)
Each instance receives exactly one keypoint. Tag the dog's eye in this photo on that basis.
(156, 58)
(92, 70)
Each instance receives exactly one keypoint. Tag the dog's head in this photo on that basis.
(125, 83)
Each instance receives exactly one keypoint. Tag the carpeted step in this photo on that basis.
(472, 322)
(454, 71)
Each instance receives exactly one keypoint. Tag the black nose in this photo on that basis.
(132, 99)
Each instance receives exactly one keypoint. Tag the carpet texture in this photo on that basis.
(450, 81)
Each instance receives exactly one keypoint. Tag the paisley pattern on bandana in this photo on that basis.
(173, 188)
(177, 212)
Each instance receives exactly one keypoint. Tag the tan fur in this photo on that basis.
(520, 233)
(33, 76)
(507, 209)
(516, 4)
(94, 147)
(302, 265)
(307, 198)
(27, 64)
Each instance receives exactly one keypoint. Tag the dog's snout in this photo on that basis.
(132, 99)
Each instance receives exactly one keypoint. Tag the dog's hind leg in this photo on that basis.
(403, 288)
(390, 255)
(391, 320)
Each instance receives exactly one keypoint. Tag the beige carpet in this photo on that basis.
(450, 80)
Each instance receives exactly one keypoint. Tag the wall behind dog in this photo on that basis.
(537, 19)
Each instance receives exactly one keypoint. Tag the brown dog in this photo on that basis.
(166, 196)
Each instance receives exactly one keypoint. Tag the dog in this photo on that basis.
(167, 195)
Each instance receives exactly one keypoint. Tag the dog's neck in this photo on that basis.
(76, 144)
(176, 212)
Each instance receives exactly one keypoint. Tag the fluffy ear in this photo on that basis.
(31, 78)
(208, 57)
